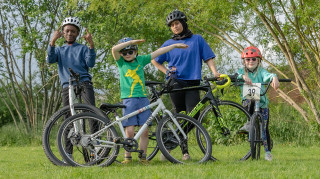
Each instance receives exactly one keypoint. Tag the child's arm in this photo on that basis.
(275, 83)
(267, 76)
(166, 49)
(116, 49)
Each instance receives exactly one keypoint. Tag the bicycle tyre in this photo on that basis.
(231, 111)
(152, 144)
(109, 151)
(255, 137)
(55, 120)
(168, 142)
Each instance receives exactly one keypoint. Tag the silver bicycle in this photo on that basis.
(49, 134)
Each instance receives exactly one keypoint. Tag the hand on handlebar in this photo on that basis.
(247, 80)
(275, 83)
(171, 73)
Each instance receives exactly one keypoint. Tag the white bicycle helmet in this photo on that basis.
(72, 21)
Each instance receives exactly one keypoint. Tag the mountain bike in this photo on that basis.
(52, 125)
(218, 110)
(105, 144)
(253, 93)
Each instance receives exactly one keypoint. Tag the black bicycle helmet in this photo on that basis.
(130, 47)
(175, 15)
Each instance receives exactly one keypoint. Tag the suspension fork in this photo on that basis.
(72, 100)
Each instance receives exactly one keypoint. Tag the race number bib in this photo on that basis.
(252, 91)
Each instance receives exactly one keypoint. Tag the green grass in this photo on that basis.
(288, 162)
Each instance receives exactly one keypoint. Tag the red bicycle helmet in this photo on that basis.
(250, 52)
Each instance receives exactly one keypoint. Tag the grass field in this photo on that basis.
(288, 162)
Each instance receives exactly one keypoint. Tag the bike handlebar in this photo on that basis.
(268, 84)
(220, 83)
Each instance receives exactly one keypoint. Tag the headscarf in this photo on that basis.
(186, 33)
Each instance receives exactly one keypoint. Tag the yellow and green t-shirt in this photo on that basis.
(132, 82)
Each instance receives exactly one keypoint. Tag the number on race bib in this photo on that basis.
(252, 91)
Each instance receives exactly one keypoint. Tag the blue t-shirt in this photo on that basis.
(78, 57)
(188, 62)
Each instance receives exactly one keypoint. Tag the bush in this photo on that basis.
(11, 136)
(288, 126)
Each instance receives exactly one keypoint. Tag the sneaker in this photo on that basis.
(127, 160)
(162, 157)
(268, 156)
(144, 161)
(186, 156)
(245, 128)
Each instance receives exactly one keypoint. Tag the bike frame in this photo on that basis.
(159, 106)
(209, 97)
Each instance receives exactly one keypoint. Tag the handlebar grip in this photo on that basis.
(74, 74)
(71, 71)
(285, 80)
(212, 79)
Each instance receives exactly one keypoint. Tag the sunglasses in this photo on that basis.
(252, 59)
(130, 52)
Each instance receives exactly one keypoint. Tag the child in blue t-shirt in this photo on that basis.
(132, 85)
(76, 56)
(252, 72)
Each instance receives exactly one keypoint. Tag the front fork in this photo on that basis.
(72, 100)
(223, 126)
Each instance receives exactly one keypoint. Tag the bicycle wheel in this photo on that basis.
(234, 116)
(152, 144)
(255, 137)
(101, 148)
(50, 130)
(173, 144)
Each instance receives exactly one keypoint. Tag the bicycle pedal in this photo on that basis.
(117, 140)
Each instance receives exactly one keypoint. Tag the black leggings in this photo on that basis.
(185, 101)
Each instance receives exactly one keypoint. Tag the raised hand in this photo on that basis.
(137, 42)
(56, 35)
(88, 38)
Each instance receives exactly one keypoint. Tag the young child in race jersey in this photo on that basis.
(132, 85)
(252, 72)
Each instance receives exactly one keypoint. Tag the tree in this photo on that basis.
(24, 36)
(285, 29)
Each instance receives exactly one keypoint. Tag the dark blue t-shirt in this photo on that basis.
(188, 62)
(76, 56)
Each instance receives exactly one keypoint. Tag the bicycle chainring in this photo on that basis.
(130, 145)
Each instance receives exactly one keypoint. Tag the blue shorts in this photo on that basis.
(133, 104)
